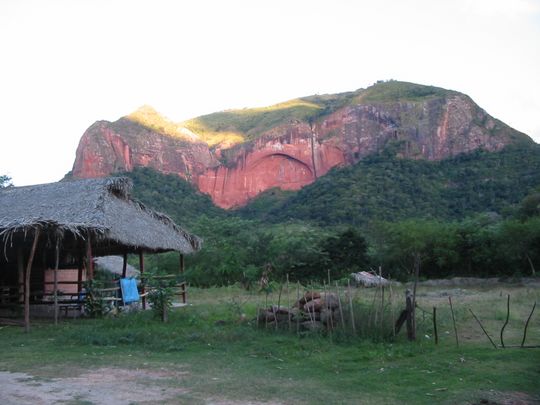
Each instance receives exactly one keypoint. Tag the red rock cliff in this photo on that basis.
(294, 153)
(107, 148)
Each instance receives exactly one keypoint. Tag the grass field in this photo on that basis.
(210, 353)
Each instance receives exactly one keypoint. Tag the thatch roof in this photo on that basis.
(102, 207)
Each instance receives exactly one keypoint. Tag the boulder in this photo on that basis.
(279, 310)
(363, 278)
(308, 296)
(314, 305)
(327, 316)
(330, 301)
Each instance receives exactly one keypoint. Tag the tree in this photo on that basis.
(296, 250)
(346, 252)
(530, 206)
(521, 241)
(5, 181)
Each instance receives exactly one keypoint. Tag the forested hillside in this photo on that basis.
(476, 214)
(383, 187)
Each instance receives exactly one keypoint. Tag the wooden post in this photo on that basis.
(258, 311)
(340, 308)
(411, 333)
(483, 329)
(124, 265)
(372, 309)
(27, 280)
(382, 299)
(391, 298)
(299, 309)
(351, 308)
(56, 265)
(20, 274)
(89, 258)
(329, 320)
(435, 334)
(141, 268)
(266, 309)
(507, 318)
(183, 288)
(165, 315)
(79, 274)
(313, 307)
(288, 305)
(416, 277)
(527, 325)
(453, 320)
(278, 306)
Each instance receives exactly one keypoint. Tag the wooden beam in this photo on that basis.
(141, 268)
(124, 266)
(411, 332)
(89, 259)
(79, 273)
(27, 280)
(20, 274)
(56, 265)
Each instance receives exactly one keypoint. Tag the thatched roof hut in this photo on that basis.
(100, 207)
(64, 225)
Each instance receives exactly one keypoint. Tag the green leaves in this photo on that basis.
(5, 181)
(383, 187)
(161, 292)
(449, 214)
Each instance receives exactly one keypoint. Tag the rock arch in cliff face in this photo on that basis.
(278, 156)
(279, 170)
(262, 170)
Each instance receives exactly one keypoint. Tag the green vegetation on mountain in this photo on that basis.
(235, 126)
(251, 122)
(174, 196)
(393, 91)
(475, 214)
(383, 187)
(191, 131)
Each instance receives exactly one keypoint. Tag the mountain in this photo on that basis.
(233, 156)
(381, 187)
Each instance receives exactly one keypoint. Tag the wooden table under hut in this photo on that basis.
(50, 233)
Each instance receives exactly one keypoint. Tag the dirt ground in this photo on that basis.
(102, 386)
(143, 386)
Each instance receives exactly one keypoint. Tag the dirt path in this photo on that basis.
(104, 386)
(101, 386)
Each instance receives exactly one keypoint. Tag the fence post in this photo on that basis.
(411, 333)
(435, 334)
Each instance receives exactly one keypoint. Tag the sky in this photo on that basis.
(68, 63)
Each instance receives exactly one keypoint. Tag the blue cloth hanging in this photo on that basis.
(130, 293)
